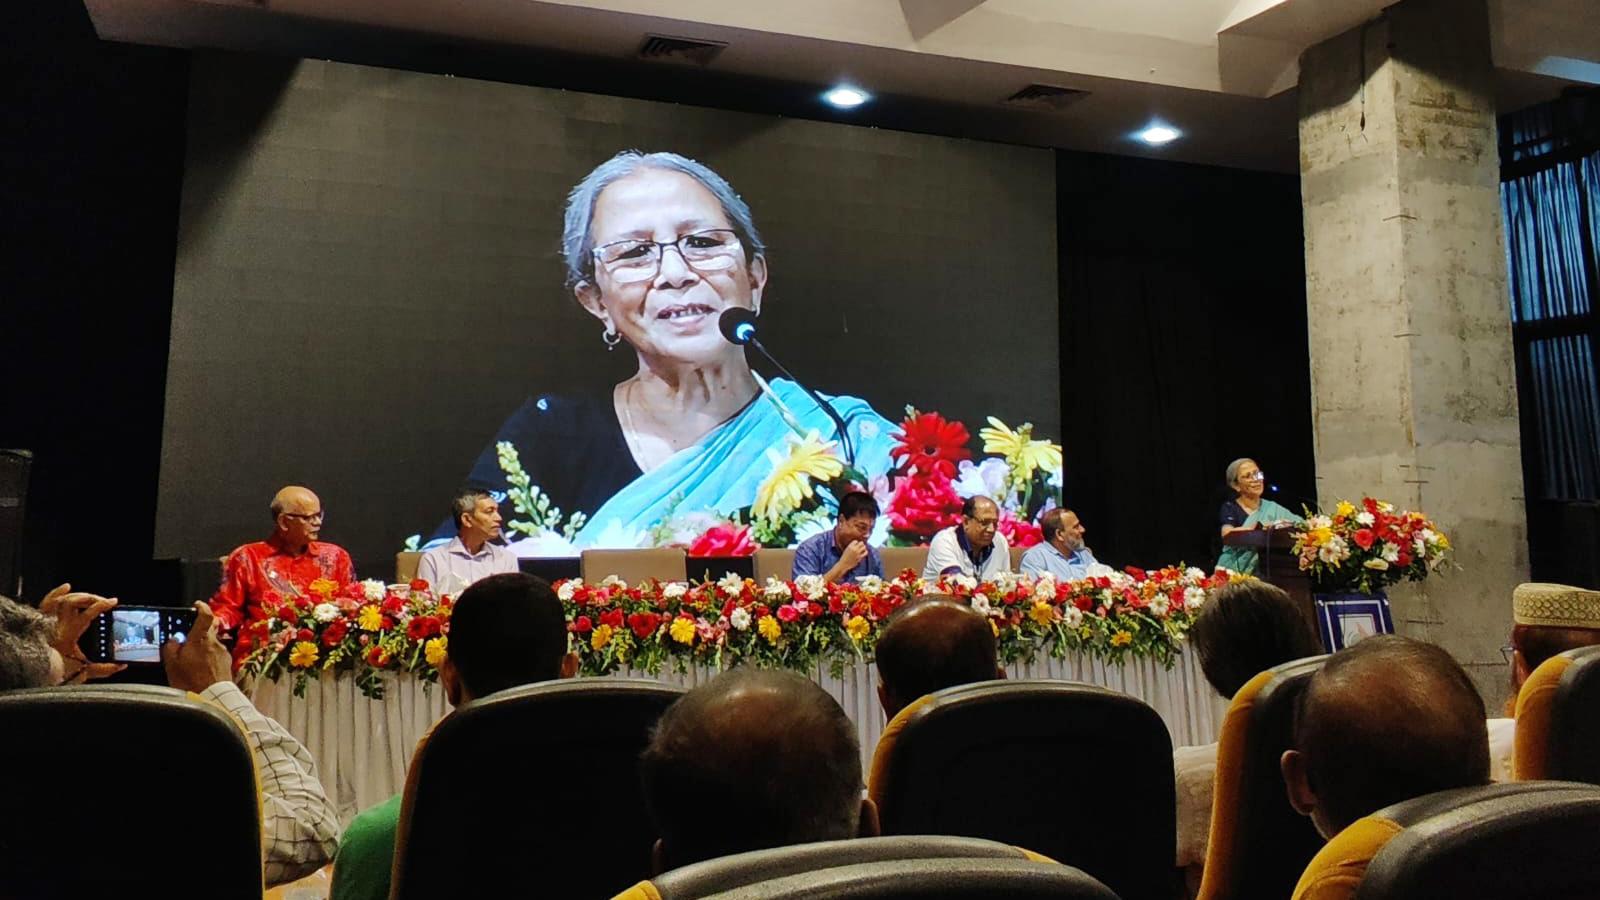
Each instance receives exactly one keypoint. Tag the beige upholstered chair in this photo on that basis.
(1016, 557)
(634, 566)
(405, 566)
(773, 563)
(897, 558)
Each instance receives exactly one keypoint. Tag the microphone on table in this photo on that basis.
(738, 325)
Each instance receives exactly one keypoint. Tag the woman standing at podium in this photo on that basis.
(1248, 510)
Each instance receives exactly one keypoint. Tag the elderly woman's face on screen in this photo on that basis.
(665, 301)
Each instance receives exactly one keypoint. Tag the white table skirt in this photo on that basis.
(363, 747)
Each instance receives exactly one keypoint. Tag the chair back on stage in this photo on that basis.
(715, 876)
(896, 559)
(773, 563)
(115, 790)
(520, 787)
(1530, 840)
(1258, 844)
(634, 566)
(1558, 720)
(405, 566)
(1016, 557)
(936, 771)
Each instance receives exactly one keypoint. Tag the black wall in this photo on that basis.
(1182, 317)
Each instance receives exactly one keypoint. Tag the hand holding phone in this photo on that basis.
(200, 660)
(75, 612)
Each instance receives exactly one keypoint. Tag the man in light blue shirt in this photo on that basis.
(473, 553)
(1063, 553)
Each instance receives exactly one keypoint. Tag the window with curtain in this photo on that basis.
(1550, 193)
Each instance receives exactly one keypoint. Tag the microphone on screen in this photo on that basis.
(739, 326)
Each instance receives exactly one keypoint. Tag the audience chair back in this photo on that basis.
(1530, 840)
(773, 563)
(405, 566)
(1072, 771)
(1258, 844)
(896, 559)
(634, 566)
(117, 790)
(1558, 720)
(929, 879)
(519, 787)
(714, 876)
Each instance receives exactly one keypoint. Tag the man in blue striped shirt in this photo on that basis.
(843, 552)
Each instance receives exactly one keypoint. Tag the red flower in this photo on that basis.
(355, 590)
(419, 584)
(1364, 538)
(1404, 561)
(304, 634)
(644, 624)
(787, 613)
(1137, 573)
(335, 633)
(392, 604)
(422, 628)
(612, 618)
(928, 442)
(724, 540)
(582, 625)
(835, 604)
(1019, 532)
(923, 504)
(377, 656)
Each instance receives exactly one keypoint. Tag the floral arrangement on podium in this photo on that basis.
(804, 623)
(1363, 549)
(366, 627)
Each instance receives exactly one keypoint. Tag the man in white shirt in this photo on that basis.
(972, 548)
(474, 553)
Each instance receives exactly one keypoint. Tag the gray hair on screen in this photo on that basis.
(1232, 475)
(577, 244)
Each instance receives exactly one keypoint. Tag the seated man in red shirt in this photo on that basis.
(285, 566)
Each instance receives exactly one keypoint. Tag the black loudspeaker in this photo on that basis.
(14, 465)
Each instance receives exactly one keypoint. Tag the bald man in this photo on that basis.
(283, 566)
(933, 643)
(752, 759)
(1387, 720)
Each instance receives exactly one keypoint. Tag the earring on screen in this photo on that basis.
(611, 338)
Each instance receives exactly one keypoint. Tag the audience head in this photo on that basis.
(505, 631)
(476, 514)
(296, 516)
(930, 644)
(1062, 528)
(1246, 628)
(979, 519)
(1550, 619)
(750, 760)
(858, 513)
(26, 658)
(1384, 721)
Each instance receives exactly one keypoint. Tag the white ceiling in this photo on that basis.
(1221, 70)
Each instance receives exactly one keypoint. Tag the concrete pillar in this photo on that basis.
(1412, 377)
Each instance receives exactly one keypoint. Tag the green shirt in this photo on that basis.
(366, 854)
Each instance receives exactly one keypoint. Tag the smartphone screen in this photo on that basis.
(136, 635)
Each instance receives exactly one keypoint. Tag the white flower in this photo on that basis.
(1006, 581)
(812, 587)
(325, 612)
(1385, 506)
(962, 581)
(1365, 517)
(987, 478)
(373, 589)
(1376, 564)
(544, 544)
(1428, 536)
(568, 588)
(1045, 587)
(612, 581)
(981, 604)
(672, 590)
(1159, 605)
(615, 536)
(776, 590)
(1335, 550)
(740, 619)
(870, 584)
(1318, 521)
(1194, 597)
(1194, 573)
(1390, 553)
(1071, 616)
(1119, 580)
(731, 584)
(1419, 547)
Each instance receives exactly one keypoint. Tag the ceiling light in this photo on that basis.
(846, 97)
(1156, 135)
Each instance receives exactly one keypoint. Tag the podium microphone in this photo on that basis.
(738, 325)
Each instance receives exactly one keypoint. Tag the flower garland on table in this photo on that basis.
(1364, 549)
(803, 623)
(366, 627)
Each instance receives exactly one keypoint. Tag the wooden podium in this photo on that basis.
(1278, 565)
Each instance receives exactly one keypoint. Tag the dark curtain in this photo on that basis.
(1183, 346)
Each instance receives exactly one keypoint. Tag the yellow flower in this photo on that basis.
(857, 628)
(1121, 639)
(323, 588)
(434, 650)
(1345, 508)
(371, 618)
(601, 637)
(994, 628)
(1023, 454)
(810, 459)
(303, 655)
(1042, 612)
(768, 626)
(682, 630)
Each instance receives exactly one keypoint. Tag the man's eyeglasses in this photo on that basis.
(1254, 476)
(986, 523)
(632, 261)
(306, 517)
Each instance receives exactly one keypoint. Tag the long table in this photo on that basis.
(363, 746)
